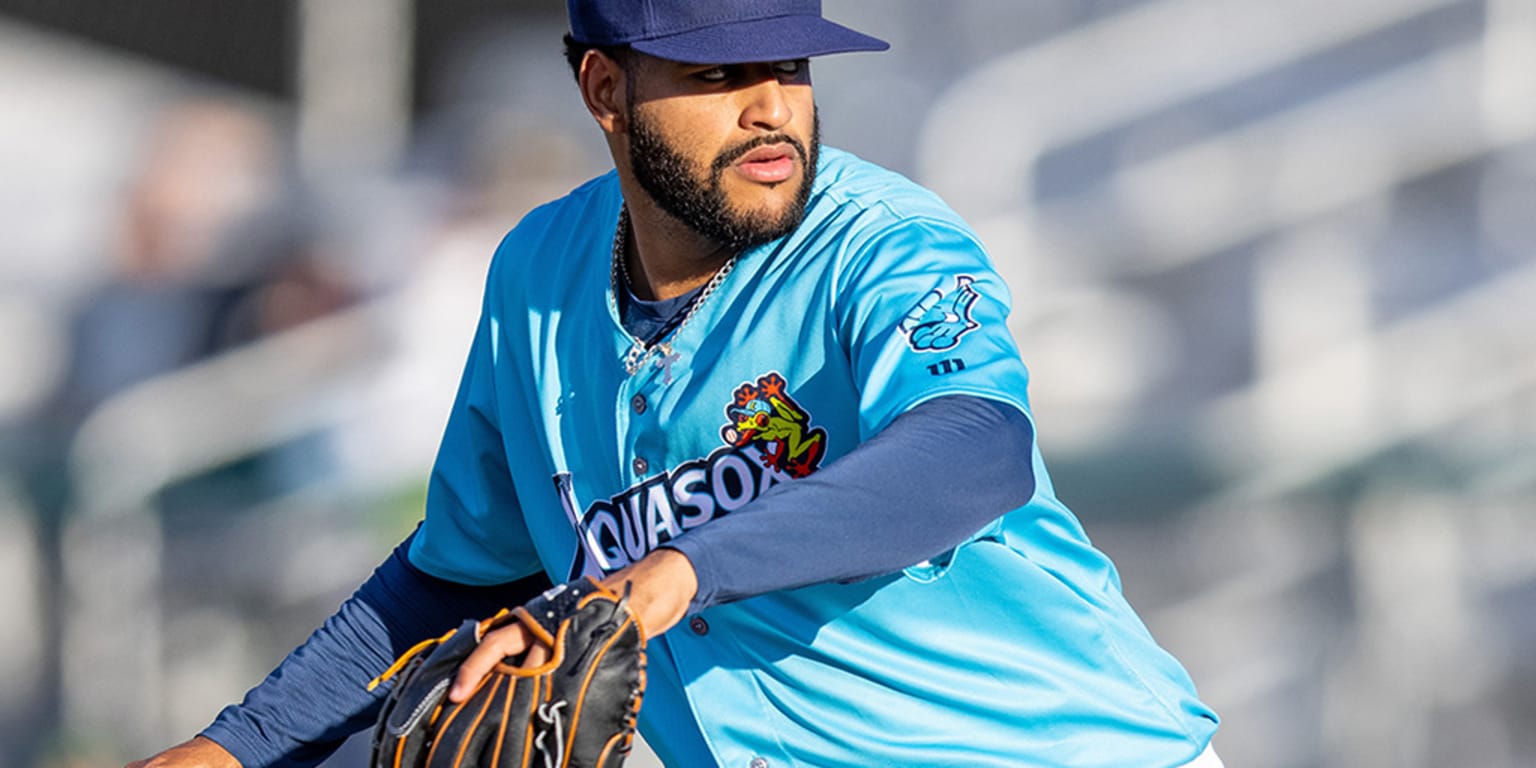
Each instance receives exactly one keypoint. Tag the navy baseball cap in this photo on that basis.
(716, 31)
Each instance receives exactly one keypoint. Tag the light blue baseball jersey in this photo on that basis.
(1014, 649)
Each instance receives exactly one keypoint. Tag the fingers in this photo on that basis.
(537, 655)
(503, 643)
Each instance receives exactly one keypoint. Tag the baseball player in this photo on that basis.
(768, 387)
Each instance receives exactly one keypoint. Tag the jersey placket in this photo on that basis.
(695, 647)
(644, 457)
(662, 372)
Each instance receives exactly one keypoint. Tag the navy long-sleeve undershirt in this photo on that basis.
(318, 696)
(923, 485)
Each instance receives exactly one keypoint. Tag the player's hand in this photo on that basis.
(197, 752)
(661, 586)
(508, 642)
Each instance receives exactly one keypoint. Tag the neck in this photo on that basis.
(665, 258)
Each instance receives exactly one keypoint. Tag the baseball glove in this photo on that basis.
(577, 710)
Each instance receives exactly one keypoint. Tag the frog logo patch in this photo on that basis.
(763, 415)
(938, 320)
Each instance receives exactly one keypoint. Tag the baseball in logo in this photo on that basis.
(762, 415)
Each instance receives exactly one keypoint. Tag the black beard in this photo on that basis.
(700, 203)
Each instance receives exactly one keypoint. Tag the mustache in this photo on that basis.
(735, 153)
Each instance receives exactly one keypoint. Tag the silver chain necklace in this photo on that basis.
(641, 352)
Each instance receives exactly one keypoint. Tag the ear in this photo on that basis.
(602, 81)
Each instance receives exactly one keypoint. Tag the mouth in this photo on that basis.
(768, 164)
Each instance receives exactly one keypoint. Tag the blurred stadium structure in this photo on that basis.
(1274, 270)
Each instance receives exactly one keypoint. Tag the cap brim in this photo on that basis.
(781, 38)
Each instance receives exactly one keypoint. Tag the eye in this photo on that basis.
(713, 75)
(792, 68)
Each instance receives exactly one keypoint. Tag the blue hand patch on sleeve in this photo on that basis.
(938, 321)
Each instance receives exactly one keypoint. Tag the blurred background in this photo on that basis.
(1273, 265)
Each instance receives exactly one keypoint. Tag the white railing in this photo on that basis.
(1317, 172)
(146, 439)
(986, 135)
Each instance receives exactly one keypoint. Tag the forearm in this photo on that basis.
(317, 696)
(926, 483)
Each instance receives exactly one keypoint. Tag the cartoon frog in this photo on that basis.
(765, 416)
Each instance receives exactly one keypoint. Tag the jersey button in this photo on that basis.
(700, 627)
(638, 403)
(640, 465)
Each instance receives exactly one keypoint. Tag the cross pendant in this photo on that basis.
(665, 361)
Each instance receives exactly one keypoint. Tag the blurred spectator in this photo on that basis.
(202, 261)
(210, 252)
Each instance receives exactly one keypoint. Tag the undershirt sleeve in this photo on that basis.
(318, 696)
(881, 508)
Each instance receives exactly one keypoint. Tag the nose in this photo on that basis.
(767, 106)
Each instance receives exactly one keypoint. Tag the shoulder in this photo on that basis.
(849, 188)
(859, 209)
(856, 205)
(573, 224)
(584, 208)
